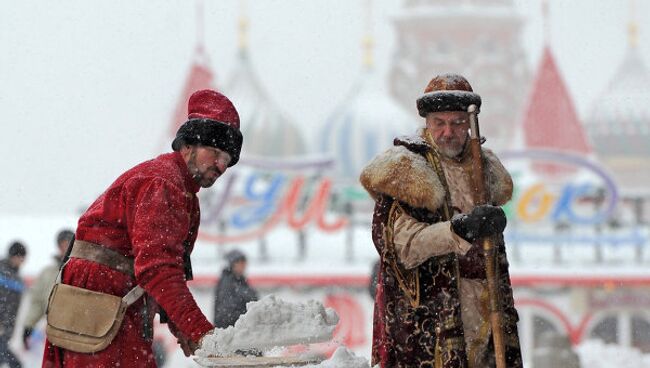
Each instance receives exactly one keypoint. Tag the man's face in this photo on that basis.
(206, 163)
(239, 267)
(17, 261)
(449, 130)
(63, 246)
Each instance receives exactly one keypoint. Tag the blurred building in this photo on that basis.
(588, 281)
(476, 38)
(268, 131)
(364, 123)
(619, 122)
(550, 119)
(581, 280)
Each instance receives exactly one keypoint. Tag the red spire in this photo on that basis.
(200, 76)
(550, 119)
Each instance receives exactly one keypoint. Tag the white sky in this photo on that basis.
(87, 88)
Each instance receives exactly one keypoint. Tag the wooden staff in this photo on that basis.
(489, 249)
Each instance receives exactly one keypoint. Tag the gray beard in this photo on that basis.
(451, 152)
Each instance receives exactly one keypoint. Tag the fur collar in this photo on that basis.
(402, 172)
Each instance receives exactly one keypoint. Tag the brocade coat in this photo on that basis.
(431, 307)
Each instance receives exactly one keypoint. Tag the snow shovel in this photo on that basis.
(255, 362)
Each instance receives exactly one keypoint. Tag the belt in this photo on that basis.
(102, 255)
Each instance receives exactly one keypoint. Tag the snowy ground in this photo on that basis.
(327, 255)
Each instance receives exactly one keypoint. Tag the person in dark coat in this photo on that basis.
(232, 291)
(374, 275)
(11, 291)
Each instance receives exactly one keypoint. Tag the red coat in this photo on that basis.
(148, 213)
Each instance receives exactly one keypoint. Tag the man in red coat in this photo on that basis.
(149, 218)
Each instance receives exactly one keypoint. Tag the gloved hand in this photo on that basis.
(27, 332)
(484, 220)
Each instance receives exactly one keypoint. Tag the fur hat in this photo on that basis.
(213, 121)
(447, 92)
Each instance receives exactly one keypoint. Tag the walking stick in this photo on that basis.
(489, 249)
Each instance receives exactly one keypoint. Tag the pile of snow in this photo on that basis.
(272, 322)
(596, 354)
(342, 358)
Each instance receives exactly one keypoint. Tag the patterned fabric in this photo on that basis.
(418, 320)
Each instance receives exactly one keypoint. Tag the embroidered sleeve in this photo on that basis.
(415, 241)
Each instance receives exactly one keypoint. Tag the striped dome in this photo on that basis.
(619, 124)
(267, 130)
(364, 125)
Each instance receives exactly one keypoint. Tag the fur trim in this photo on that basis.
(499, 180)
(405, 176)
(223, 136)
(447, 101)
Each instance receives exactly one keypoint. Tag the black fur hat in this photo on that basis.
(447, 92)
(213, 121)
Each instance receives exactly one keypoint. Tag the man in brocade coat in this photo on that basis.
(149, 218)
(431, 307)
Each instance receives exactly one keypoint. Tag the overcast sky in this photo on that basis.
(87, 88)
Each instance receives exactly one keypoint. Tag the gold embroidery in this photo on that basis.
(409, 281)
(438, 352)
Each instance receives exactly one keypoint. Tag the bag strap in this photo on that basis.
(131, 297)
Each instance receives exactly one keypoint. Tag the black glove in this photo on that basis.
(484, 220)
(27, 332)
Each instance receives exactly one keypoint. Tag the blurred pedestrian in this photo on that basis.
(40, 290)
(374, 275)
(11, 291)
(232, 291)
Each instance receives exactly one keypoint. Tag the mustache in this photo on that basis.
(449, 140)
(218, 170)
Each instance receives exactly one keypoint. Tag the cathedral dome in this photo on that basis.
(619, 123)
(267, 130)
(363, 125)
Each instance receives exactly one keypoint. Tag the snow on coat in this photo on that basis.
(150, 213)
(418, 319)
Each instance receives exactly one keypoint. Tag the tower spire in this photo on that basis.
(546, 22)
(632, 26)
(368, 41)
(243, 28)
(200, 32)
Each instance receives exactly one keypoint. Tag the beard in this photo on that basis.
(450, 147)
(205, 178)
